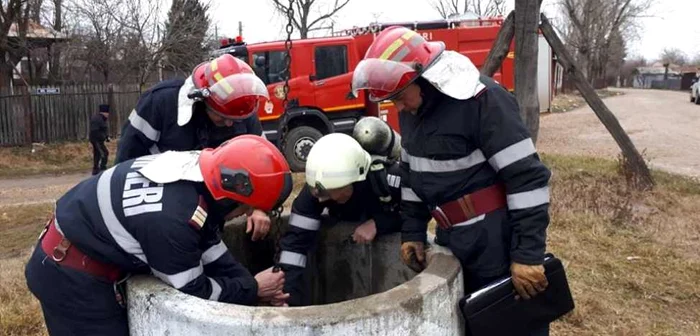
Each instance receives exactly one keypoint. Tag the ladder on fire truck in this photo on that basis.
(376, 27)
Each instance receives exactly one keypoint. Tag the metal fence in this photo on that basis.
(61, 113)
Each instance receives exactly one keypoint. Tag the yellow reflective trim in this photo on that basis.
(226, 86)
(408, 35)
(214, 66)
(342, 107)
(390, 50)
(218, 77)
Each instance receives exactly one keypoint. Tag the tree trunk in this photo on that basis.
(500, 48)
(633, 159)
(526, 23)
(55, 50)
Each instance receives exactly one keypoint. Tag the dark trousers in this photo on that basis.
(483, 250)
(99, 156)
(73, 302)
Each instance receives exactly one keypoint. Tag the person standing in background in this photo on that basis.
(98, 136)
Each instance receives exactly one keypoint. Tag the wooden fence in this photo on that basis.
(61, 113)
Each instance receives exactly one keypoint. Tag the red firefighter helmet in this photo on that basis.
(395, 59)
(233, 89)
(247, 169)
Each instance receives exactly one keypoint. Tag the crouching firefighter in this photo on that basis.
(218, 102)
(471, 163)
(338, 178)
(157, 214)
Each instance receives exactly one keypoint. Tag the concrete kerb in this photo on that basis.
(426, 304)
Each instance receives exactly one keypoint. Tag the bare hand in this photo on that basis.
(269, 284)
(528, 280)
(280, 300)
(365, 233)
(259, 223)
(413, 255)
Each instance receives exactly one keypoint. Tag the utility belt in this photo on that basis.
(60, 249)
(466, 209)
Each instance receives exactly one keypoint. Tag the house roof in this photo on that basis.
(37, 31)
(654, 70)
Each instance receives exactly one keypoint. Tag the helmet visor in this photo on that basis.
(381, 77)
(240, 85)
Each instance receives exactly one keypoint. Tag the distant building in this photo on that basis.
(37, 37)
(655, 77)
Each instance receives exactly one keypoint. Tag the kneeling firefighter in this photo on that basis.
(471, 163)
(158, 214)
(340, 178)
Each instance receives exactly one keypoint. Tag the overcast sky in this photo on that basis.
(674, 23)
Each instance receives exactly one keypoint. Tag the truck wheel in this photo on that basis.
(297, 144)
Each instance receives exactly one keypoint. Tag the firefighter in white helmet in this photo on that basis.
(338, 178)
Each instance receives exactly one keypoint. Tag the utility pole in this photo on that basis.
(240, 28)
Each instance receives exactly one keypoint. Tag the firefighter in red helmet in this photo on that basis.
(156, 214)
(470, 161)
(217, 102)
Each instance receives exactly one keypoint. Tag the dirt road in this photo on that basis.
(37, 189)
(664, 123)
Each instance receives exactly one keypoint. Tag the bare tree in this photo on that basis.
(14, 15)
(303, 20)
(99, 33)
(673, 56)
(145, 49)
(594, 27)
(485, 8)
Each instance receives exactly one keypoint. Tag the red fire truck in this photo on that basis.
(320, 97)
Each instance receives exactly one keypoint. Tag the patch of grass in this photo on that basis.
(631, 256)
(20, 312)
(55, 158)
(20, 226)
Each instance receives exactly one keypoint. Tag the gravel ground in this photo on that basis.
(664, 123)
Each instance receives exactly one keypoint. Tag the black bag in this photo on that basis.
(493, 310)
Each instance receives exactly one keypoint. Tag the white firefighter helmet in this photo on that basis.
(336, 160)
(377, 138)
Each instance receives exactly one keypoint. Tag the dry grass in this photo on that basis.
(632, 258)
(570, 101)
(20, 313)
(50, 159)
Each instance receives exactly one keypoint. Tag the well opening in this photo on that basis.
(356, 290)
(337, 268)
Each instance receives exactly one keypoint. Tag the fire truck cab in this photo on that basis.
(320, 97)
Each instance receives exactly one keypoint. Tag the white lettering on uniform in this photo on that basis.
(140, 194)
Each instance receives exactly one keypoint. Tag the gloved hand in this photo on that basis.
(528, 280)
(413, 255)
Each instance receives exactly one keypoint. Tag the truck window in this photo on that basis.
(331, 61)
(269, 66)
